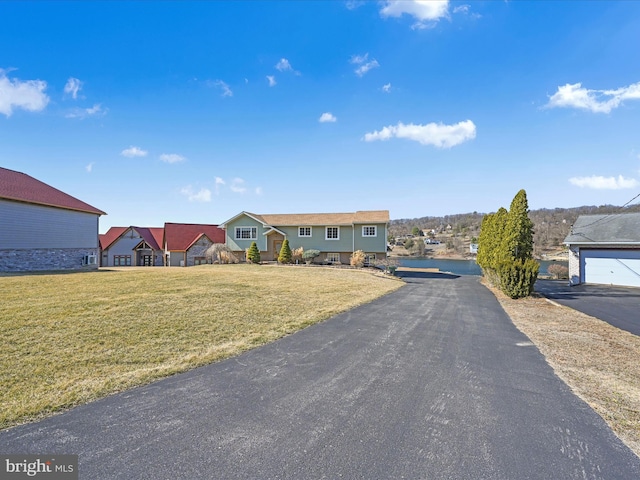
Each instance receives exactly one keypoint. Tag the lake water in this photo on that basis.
(458, 267)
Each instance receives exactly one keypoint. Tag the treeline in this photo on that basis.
(550, 226)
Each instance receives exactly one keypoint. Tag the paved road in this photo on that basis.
(430, 382)
(619, 306)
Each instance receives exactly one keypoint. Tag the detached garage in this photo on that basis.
(605, 249)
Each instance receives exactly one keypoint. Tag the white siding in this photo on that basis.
(27, 226)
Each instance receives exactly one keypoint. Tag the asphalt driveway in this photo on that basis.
(618, 306)
(430, 382)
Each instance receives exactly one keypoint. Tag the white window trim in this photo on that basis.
(337, 255)
(252, 230)
(326, 233)
(375, 230)
(305, 236)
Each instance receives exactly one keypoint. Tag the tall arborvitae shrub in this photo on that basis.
(285, 252)
(517, 277)
(518, 235)
(490, 253)
(253, 254)
(505, 249)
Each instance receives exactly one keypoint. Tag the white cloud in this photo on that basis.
(172, 158)
(272, 80)
(386, 88)
(327, 117)
(604, 183)
(426, 12)
(436, 134)
(364, 65)
(28, 95)
(596, 101)
(462, 9)
(89, 168)
(133, 152)
(224, 88)
(353, 4)
(72, 87)
(82, 113)
(237, 185)
(258, 190)
(203, 195)
(219, 183)
(284, 66)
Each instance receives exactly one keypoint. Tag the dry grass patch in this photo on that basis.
(598, 361)
(70, 338)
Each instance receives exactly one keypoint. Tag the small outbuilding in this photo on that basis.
(43, 228)
(605, 249)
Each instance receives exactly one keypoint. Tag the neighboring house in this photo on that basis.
(605, 249)
(42, 228)
(132, 246)
(185, 244)
(335, 235)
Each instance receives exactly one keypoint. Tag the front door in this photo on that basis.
(277, 245)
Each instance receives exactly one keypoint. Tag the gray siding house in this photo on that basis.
(335, 235)
(605, 249)
(42, 228)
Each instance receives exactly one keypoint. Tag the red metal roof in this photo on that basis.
(180, 236)
(106, 239)
(23, 188)
(154, 236)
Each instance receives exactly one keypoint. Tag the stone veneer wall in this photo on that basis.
(574, 265)
(197, 250)
(39, 259)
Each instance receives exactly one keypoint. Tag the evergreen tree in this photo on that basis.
(490, 240)
(505, 248)
(253, 255)
(518, 236)
(285, 252)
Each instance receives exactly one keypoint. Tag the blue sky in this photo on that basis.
(196, 111)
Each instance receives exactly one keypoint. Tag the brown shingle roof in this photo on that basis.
(23, 188)
(296, 219)
(180, 236)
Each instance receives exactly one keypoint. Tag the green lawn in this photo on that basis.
(70, 338)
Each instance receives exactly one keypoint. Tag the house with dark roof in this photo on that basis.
(43, 228)
(132, 246)
(605, 249)
(185, 244)
(335, 235)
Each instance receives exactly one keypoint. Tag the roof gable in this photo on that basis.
(21, 187)
(180, 236)
(107, 239)
(612, 228)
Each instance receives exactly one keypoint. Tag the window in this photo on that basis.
(369, 231)
(122, 260)
(333, 257)
(199, 261)
(246, 233)
(304, 231)
(333, 233)
(370, 259)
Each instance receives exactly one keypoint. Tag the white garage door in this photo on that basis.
(611, 267)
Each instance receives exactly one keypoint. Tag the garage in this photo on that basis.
(611, 267)
(605, 250)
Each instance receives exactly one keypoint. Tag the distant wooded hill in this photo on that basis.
(551, 226)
